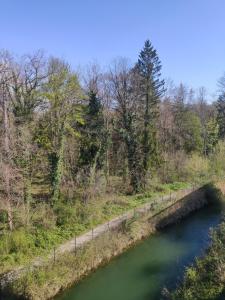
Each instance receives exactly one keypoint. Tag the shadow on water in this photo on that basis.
(142, 272)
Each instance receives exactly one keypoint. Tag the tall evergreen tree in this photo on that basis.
(94, 135)
(179, 113)
(151, 88)
(220, 106)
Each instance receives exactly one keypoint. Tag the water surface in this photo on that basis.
(141, 272)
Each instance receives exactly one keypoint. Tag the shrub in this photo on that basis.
(43, 216)
(65, 214)
(196, 167)
(217, 160)
(206, 279)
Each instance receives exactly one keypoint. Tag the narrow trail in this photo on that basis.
(80, 241)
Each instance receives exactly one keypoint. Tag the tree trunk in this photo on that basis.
(58, 171)
(7, 155)
(106, 167)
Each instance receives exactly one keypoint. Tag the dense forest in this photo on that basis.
(74, 143)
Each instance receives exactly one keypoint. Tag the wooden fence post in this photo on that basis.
(75, 245)
(54, 256)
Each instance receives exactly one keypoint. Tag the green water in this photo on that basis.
(142, 272)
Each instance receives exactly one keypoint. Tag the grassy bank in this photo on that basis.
(47, 280)
(205, 280)
(22, 245)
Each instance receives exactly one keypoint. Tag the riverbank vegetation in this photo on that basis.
(78, 148)
(54, 275)
(206, 278)
(46, 281)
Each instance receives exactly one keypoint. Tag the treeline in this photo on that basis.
(67, 135)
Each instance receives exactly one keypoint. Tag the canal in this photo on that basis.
(144, 270)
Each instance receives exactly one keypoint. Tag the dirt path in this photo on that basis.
(75, 243)
(81, 240)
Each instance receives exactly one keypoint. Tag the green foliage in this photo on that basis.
(197, 167)
(220, 106)
(212, 135)
(151, 86)
(193, 141)
(194, 167)
(61, 91)
(175, 186)
(148, 68)
(15, 247)
(179, 110)
(43, 217)
(44, 240)
(93, 141)
(205, 280)
(217, 160)
(50, 226)
(65, 214)
(59, 143)
(58, 171)
(3, 218)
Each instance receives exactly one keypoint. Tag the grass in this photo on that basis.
(22, 245)
(45, 281)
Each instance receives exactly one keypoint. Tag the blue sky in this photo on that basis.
(189, 35)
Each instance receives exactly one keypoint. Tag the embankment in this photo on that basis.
(205, 279)
(47, 280)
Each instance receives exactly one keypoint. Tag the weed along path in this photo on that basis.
(155, 210)
(154, 206)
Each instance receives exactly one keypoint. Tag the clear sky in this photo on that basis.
(189, 35)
